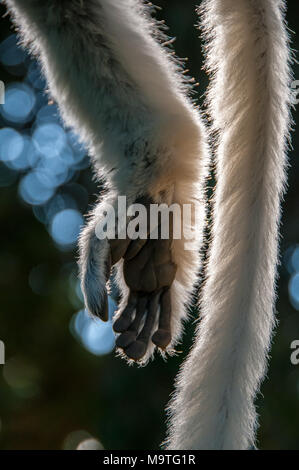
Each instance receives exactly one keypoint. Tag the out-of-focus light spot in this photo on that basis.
(75, 293)
(55, 170)
(295, 259)
(38, 280)
(294, 290)
(68, 268)
(68, 155)
(49, 139)
(48, 114)
(82, 164)
(90, 444)
(65, 227)
(11, 144)
(7, 176)
(99, 339)
(22, 377)
(79, 194)
(10, 53)
(74, 438)
(291, 259)
(59, 202)
(31, 154)
(42, 99)
(19, 103)
(45, 177)
(33, 190)
(35, 77)
(96, 336)
(28, 157)
(79, 151)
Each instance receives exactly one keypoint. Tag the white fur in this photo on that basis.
(124, 93)
(248, 57)
(120, 89)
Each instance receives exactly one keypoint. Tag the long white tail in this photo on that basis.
(248, 56)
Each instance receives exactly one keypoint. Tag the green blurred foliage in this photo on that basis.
(51, 386)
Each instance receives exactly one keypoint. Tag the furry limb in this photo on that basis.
(125, 95)
(248, 58)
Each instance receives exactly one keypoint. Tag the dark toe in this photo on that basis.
(136, 350)
(125, 339)
(121, 324)
(161, 338)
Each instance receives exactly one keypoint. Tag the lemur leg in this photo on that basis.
(138, 121)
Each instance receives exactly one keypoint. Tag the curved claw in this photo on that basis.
(98, 308)
(103, 311)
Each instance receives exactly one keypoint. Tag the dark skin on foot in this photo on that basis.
(149, 272)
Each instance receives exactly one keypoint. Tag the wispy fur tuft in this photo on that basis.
(248, 59)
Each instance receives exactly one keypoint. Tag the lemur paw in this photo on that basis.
(149, 276)
(148, 271)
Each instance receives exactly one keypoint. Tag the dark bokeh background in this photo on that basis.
(61, 382)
